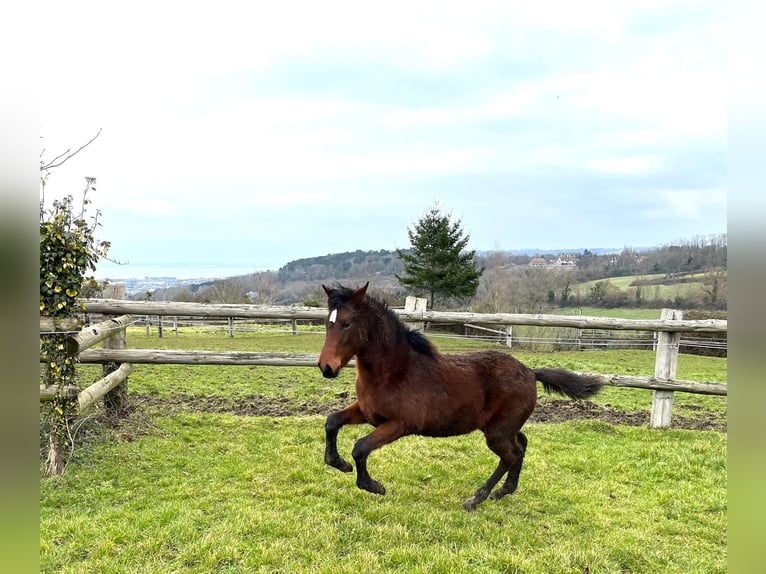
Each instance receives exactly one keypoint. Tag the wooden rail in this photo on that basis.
(87, 397)
(95, 334)
(116, 306)
(177, 357)
(59, 324)
(276, 359)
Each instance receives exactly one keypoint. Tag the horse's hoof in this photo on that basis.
(372, 486)
(478, 497)
(498, 494)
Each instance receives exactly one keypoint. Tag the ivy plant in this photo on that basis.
(69, 251)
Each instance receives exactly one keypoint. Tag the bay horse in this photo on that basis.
(405, 386)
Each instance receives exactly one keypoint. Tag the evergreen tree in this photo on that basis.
(438, 262)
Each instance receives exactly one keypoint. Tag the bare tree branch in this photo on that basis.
(52, 163)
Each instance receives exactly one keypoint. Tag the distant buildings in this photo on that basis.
(135, 285)
(563, 260)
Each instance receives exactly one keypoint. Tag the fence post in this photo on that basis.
(295, 327)
(116, 400)
(231, 327)
(665, 368)
(160, 327)
(509, 336)
(415, 304)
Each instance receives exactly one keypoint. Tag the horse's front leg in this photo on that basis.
(386, 433)
(351, 415)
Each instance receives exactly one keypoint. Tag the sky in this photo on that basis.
(238, 136)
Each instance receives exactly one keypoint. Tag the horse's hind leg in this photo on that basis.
(512, 482)
(504, 444)
(351, 415)
(483, 492)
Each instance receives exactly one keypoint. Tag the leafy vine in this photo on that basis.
(69, 250)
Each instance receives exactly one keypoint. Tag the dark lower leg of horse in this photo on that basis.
(364, 481)
(510, 446)
(483, 492)
(512, 482)
(331, 456)
(384, 434)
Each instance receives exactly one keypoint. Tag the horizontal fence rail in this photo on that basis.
(50, 325)
(278, 359)
(177, 357)
(116, 306)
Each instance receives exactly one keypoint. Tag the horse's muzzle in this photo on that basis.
(328, 372)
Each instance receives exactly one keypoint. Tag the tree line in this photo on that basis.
(439, 266)
(342, 265)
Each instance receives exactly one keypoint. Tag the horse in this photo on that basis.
(405, 386)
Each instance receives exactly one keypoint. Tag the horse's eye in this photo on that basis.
(346, 324)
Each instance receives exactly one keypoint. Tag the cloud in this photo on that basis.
(254, 116)
(685, 203)
(143, 206)
(626, 165)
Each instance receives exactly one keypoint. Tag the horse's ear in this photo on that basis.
(357, 295)
(326, 290)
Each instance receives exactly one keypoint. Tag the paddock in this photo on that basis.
(202, 490)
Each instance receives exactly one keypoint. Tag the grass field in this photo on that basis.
(661, 291)
(556, 338)
(182, 491)
(625, 313)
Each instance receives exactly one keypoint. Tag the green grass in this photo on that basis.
(624, 313)
(219, 493)
(201, 492)
(649, 292)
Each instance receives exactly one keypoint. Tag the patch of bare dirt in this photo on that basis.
(685, 417)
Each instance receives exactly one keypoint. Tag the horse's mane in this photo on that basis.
(340, 295)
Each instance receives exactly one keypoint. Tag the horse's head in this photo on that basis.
(344, 335)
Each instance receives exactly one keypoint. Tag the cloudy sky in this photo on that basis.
(242, 135)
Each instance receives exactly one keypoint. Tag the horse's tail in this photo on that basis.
(568, 383)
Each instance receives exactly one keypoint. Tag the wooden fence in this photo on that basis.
(112, 333)
(669, 329)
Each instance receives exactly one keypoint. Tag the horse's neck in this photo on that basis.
(385, 351)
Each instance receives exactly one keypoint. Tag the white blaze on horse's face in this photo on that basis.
(333, 316)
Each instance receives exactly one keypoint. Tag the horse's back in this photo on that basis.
(505, 383)
(494, 369)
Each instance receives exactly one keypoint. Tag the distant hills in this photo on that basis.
(299, 280)
(342, 265)
(384, 262)
(348, 264)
